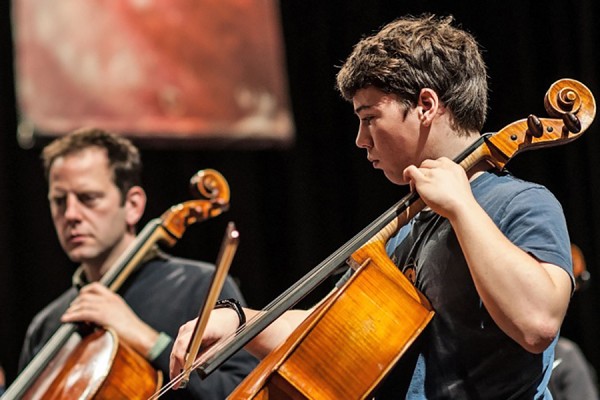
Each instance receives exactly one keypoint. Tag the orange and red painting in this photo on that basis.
(195, 71)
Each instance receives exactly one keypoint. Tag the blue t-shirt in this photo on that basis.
(465, 355)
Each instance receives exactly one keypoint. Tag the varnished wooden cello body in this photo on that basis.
(345, 348)
(98, 366)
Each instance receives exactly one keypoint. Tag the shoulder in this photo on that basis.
(167, 264)
(181, 275)
(528, 214)
(504, 182)
(504, 192)
(177, 272)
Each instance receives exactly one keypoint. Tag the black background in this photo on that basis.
(295, 206)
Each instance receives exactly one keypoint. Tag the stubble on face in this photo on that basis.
(86, 207)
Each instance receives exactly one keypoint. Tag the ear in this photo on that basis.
(428, 105)
(135, 204)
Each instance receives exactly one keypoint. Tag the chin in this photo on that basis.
(78, 255)
(75, 257)
(397, 180)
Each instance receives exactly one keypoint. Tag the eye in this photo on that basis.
(366, 120)
(58, 201)
(88, 198)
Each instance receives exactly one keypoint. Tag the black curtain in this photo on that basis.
(295, 206)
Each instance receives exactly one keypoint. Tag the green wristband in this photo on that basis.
(161, 343)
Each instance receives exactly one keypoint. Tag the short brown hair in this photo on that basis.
(413, 53)
(123, 157)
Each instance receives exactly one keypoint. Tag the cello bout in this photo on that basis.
(99, 368)
(347, 346)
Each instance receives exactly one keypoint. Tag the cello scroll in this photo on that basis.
(573, 108)
(212, 191)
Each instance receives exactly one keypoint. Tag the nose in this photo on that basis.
(363, 138)
(72, 208)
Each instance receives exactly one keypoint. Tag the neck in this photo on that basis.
(459, 145)
(444, 141)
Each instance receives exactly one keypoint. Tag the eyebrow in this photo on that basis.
(361, 108)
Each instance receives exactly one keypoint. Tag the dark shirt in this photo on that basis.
(466, 355)
(572, 377)
(462, 353)
(164, 292)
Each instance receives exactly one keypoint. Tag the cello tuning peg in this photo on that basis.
(534, 126)
(571, 122)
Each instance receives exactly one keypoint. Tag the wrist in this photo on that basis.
(234, 305)
(160, 344)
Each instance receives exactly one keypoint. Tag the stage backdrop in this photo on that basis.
(207, 71)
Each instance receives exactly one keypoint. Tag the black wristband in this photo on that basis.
(235, 306)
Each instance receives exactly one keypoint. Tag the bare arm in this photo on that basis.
(276, 333)
(526, 298)
(223, 322)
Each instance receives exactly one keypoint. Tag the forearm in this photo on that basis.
(527, 299)
(276, 333)
(142, 338)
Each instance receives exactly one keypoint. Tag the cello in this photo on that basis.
(98, 366)
(378, 313)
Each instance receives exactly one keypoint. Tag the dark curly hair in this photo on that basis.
(413, 53)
